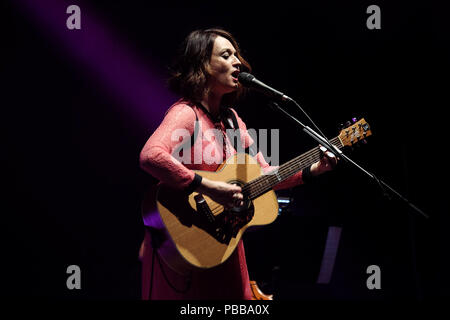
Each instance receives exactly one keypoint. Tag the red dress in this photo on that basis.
(229, 280)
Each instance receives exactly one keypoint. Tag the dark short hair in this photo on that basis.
(189, 74)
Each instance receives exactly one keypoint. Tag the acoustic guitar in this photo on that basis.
(193, 231)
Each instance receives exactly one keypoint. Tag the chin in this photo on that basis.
(230, 89)
(235, 85)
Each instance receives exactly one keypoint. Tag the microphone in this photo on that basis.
(248, 80)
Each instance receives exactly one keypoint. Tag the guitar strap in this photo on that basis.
(250, 149)
(196, 128)
(233, 124)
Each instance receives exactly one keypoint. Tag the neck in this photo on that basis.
(211, 102)
(257, 187)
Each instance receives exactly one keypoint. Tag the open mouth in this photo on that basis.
(235, 75)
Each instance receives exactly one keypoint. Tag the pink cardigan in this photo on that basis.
(230, 280)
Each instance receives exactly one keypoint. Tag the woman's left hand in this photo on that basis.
(326, 163)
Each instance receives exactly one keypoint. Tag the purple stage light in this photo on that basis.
(105, 58)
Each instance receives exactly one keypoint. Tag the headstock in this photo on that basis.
(355, 132)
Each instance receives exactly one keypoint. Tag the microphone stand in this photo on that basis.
(321, 139)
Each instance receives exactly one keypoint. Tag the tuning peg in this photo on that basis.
(354, 120)
(364, 141)
(348, 124)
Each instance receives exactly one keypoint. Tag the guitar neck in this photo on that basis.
(255, 188)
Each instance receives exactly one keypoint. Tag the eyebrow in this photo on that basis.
(227, 50)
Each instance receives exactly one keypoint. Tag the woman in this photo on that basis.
(205, 75)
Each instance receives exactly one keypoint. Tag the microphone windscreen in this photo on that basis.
(245, 78)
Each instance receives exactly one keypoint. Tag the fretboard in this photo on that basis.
(257, 187)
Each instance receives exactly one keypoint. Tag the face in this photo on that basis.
(223, 67)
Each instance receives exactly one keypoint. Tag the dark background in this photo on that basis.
(70, 150)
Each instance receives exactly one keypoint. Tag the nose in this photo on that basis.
(237, 63)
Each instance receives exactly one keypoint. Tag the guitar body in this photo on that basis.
(197, 233)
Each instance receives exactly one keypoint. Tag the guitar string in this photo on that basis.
(260, 189)
(306, 159)
(310, 155)
(256, 188)
(281, 170)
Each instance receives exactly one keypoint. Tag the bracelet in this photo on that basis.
(194, 184)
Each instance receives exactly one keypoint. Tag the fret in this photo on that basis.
(264, 183)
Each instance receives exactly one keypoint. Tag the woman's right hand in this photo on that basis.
(228, 195)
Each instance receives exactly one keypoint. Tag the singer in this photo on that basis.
(205, 75)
